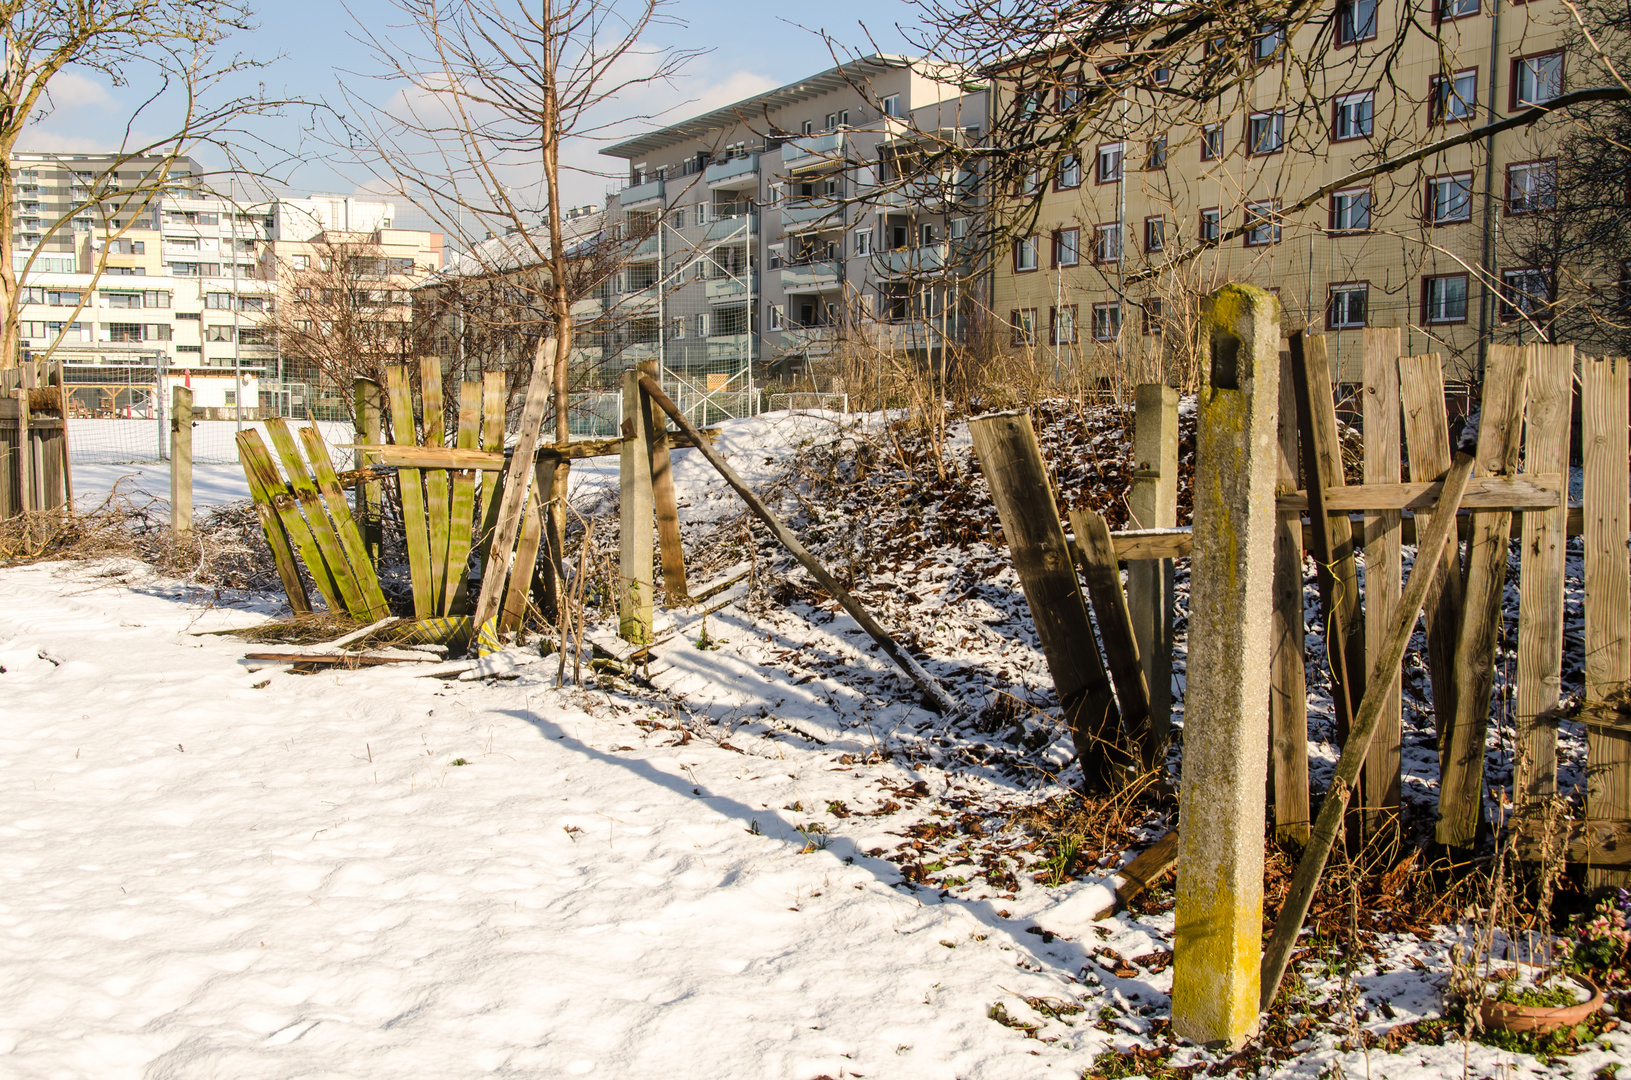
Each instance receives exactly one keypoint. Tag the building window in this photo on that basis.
(1449, 199)
(959, 228)
(1211, 142)
(1022, 326)
(1069, 174)
(1025, 255)
(778, 316)
(1266, 45)
(1266, 132)
(1531, 187)
(1353, 116)
(890, 105)
(1350, 211)
(1211, 225)
(218, 301)
(1152, 316)
(1454, 97)
(925, 234)
(1444, 299)
(1524, 292)
(1347, 307)
(808, 127)
(1070, 93)
(1356, 21)
(1536, 79)
(1456, 9)
(1062, 324)
(1107, 243)
(218, 333)
(862, 241)
(1157, 158)
(1109, 164)
(1155, 233)
(1262, 224)
(1067, 247)
(1106, 321)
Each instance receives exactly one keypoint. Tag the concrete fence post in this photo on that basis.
(1226, 708)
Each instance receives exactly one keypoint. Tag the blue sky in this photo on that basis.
(755, 46)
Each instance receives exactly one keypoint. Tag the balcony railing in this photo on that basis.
(730, 287)
(811, 277)
(812, 213)
(807, 151)
(734, 172)
(723, 226)
(640, 193)
(931, 259)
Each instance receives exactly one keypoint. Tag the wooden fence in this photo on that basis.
(34, 472)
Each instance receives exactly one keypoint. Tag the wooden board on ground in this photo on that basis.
(1148, 866)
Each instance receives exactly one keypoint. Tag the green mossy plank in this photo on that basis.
(400, 397)
(463, 507)
(287, 569)
(255, 455)
(322, 530)
(362, 570)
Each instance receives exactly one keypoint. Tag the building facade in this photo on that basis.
(762, 232)
(1426, 248)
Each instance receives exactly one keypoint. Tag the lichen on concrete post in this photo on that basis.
(1226, 705)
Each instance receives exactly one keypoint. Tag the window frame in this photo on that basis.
(1429, 204)
(1120, 148)
(1278, 116)
(1075, 324)
(1436, 115)
(1440, 17)
(1156, 146)
(1152, 320)
(1334, 228)
(1027, 242)
(1059, 173)
(1107, 229)
(1106, 306)
(1022, 332)
(1426, 298)
(1516, 104)
(1331, 291)
(1215, 221)
(1158, 234)
(1275, 224)
(1212, 141)
(1337, 39)
(1506, 201)
(1505, 311)
(1058, 247)
(1336, 114)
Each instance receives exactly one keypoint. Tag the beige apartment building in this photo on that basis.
(1423, 249)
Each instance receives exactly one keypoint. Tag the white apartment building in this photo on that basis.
(759, 238)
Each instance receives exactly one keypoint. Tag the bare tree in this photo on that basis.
(168, 45)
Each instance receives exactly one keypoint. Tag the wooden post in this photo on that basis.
(25, 468)
(1603, 392)
(1153, 504)
(635, 515)
(1219, 914)
(1097, 553)
(1333, 532)
(1427, 434)
(1288, 676)
(1461, 787)
(181, 462)
(365, 394)
(665, 502)
(1012, 462)
(1379, 796)
(1540, 582)
(58, 380)
(1312, 864)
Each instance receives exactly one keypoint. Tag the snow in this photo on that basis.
(209, 870)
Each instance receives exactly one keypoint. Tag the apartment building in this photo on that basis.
(757, 243)
(90, 193)
(1400, 250)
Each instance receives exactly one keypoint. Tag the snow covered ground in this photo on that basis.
(209, 871)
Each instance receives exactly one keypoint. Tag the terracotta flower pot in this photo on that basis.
(1539, 1019)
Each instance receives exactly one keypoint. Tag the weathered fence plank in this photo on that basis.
(1288, 675)
(411, 491)
(1099, 571)
(1380, 778)
(1153, 504)
(367, 403)
(181, 462)
(635, 516)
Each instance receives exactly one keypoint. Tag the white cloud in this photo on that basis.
(70, 90)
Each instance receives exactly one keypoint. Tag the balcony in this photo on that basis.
(731, 288)
(812, 151)
(737, 174)
(649, 248)
(801, 215)
(640, 193)
(723, 228)
(809, 340)
(903, 262)
(809, 278)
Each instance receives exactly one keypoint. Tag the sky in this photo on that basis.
(315, 56)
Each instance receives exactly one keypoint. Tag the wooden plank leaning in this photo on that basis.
(437, 523)
(276, 539)
(366, 399)
(1540, 582)
(1333, 533)
(411, 491)
(255, 457)
(1006, 446)
(1097, 554)
(462, 504)
(1329, 824)
(322, 530)
(1427, 437)
(1288, 671)
(374, 606)
(502, 551)
(665, 503)
(934, 694)
(1379, 794)
(1461, 787)
(1603, 390)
